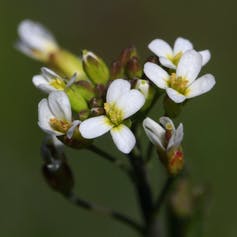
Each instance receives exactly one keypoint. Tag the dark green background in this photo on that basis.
(27, 206)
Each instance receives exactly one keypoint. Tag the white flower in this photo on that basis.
(164, 137)
(55, 115)
(170, 57)
(121, 103)
(48, 81)
(35, 40)
(182, 84)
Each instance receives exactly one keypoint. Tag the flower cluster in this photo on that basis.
(88, 99)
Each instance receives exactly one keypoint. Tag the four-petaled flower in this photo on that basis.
(35, 40)
(55, 115)
(181, 84)
(169, 57)
(49, 81)
(121, 103)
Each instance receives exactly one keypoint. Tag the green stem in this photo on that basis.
(104, 211)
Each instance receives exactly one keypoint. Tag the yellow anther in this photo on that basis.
(178, 83)
(59, 125)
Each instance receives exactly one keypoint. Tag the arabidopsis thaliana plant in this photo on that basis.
(170, 57)
(121, 103)
(182, 84)
(55, 115)
(35, 40)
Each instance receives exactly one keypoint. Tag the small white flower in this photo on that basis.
(35, 40)
(48, 81)
(182, 84)
(164, 137)
(55, 115)
(170, 57)
(121, 103)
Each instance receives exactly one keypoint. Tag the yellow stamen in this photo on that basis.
(114, 113)
(59, 125)
(178, 83)
(58, 84)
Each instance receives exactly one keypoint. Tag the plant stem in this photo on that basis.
(163, 195)
(142, 185)
(150, 148)
(104, 211)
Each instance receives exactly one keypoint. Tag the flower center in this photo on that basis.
(178, 83)
(175, 59)
(114, 113)
(58, 84)
(59, 125)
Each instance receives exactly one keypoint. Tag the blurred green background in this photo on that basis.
(28, 207)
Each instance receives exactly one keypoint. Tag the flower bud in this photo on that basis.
(127, 54)
(134, 69)
(67, 64)
(77, 102)
(95, 67)
(116, 70)
(147, 90)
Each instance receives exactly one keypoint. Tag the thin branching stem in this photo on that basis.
(87, 205)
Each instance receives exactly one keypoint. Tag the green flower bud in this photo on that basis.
(67, 64)
(127, 54)
(77, 102)
(95, 68)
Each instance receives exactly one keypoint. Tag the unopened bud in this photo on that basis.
(95, 68)
(127, 54)
(134, 69)
(175, 161)
(116, 70)
(77, 102)
(66, 64)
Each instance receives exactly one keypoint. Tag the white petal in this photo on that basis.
(71, 130)
(160, 48)
(206, 56)
(182, 45)
(60, 106)
(21, 46)
(166, 120)
(94, 127)
(42, 83)
(123, 138)
(155, 132)
(130, 102)
(175, 95)
(167, 63)
(189, 65)
(201, 86)
(35, 35)
(176, 138)
(156, 74)
(49, 74)
(117, 88)
(44, 115)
